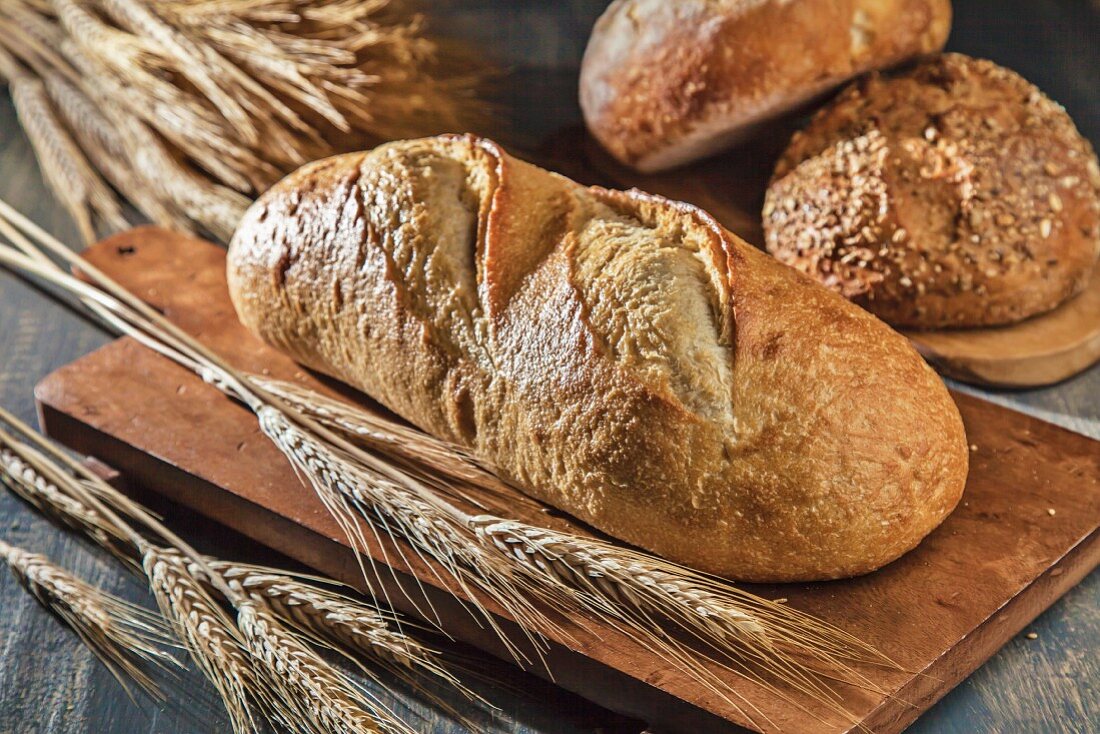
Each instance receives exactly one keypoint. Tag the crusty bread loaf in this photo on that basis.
(614, 354)
(954, 194)
(666, 82)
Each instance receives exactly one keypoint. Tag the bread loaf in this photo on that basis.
(614, 354)
(954, 194)
(664, 82)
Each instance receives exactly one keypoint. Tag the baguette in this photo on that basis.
(614, 354)
(667, 82)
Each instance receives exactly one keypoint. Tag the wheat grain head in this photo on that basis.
(312, 691)
(28, 483)
(125, 637)
(208, 634)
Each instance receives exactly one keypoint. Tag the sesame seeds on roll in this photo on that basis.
(954, 194)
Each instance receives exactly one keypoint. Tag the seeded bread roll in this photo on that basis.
(953, 195)
(665, 82)
(617, 355)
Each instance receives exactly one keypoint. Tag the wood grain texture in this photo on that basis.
(1028, 527)
(1042, 350)
(49, 684)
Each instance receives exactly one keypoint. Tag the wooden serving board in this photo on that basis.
(1042, 350)
(1025, 532)
(1039, 351)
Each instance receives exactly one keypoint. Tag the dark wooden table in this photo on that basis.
(49, 683)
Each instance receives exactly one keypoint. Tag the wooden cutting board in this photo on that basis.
(1038, 351)
(1025, 532)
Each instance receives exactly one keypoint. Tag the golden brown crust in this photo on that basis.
(952, 195)
(663, 83)
(617, 355)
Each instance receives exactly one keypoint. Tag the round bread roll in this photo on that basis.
(664, 83)
(953, 195)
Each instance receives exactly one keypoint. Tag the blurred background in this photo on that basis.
(1053, 43)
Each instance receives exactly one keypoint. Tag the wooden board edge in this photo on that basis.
(587, 678)
(1020, 367)
(896, 713)
(1037, 371)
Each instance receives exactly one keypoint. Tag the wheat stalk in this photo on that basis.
(125, 637)
(477, 552)
(329, 615)
(218, 99)
(24, 481)
(411, 447)
(203, 67)
(107, 147)
(67, 171)
(139, 165)
(619, 569)
(309, 689)
(576, 555)
(227, 652)
(208, 634)
(352, 493)
(340, 620)
(617, 584)
(86, 502)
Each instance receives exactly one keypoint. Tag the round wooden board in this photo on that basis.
(1039, 351)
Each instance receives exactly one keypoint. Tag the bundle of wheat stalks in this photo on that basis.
(263, 660)
(189, 108)
(409, 493)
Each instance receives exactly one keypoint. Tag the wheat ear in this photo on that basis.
(630, 592)
(125, 637)
(308, 688)
(208, 634)
(400, 442)
(716, 610)
(340, 620)
(313, 608)
(83, 193)
(638, 592)
(686, 589)
(230, 95)
(254, 661)
(713, 607)
(116, 153)
(181, 585)
(29, 484)
(311, 604)
(354, 493)
(197, 619)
